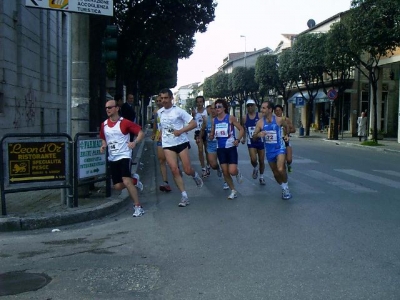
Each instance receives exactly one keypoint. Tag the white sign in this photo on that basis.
(91, 161)
(97, 7)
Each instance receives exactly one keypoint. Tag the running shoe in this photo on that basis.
(136, 181)
(139, 185)
(233, 195)
(255, 173)
(208, 171)
(286, 195)
(239, 177)
(289, 168)
(219, 172)
(139, 211)
(204, 173)
(198, 180)
(165, 188)
(184, 202)
(225, 186)
(262, 181)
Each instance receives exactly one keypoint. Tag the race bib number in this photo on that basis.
(250, 131)
(221, 130)
(113, 147)
(271, 137)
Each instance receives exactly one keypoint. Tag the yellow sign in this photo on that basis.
(58, 4)
(36, 161)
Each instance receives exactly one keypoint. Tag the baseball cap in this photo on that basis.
(250, 101)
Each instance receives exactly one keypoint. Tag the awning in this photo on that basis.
(293, 98)
(321, 97)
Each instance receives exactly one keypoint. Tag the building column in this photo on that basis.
(80, 74)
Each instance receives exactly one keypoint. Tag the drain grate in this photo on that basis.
(13, 283)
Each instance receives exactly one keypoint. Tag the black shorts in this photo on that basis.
(178, 148)
(120, 168)
(227, 156)
(197, 133)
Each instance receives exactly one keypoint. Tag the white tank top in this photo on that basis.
(117, 142)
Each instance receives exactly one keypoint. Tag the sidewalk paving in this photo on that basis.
(387, 144)
(42, 209)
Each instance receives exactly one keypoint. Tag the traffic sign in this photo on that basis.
(332, 94)
(97, 7)
(299, 101)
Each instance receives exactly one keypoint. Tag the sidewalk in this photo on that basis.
(44, 208)
(387, 144)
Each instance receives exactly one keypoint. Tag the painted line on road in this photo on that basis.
(388, 172)
(370, 177)
(337, 182)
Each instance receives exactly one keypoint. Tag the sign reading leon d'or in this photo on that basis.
(91, 161)
(36, 161)
(97, 7)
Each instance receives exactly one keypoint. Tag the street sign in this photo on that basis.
(97, 7)
(332, 94)
(36, 161)
(91, 162)
(299, 101)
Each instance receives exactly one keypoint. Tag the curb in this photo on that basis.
(376, 148)
(67, 218)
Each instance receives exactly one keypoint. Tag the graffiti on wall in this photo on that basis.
(27, 111)
(30, 100)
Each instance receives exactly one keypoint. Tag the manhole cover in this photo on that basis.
(13, 283)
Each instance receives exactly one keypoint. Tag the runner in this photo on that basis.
(200, 116)
(255, 147)
(115, 135)
(269, 128)
(289, 153)
(223, 129)
(212, 144)
(175, 142)
(164, 187)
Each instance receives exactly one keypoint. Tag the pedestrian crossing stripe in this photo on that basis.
(338, 182)
(370, 177)
(388, 172)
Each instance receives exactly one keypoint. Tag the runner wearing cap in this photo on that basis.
(255, 146)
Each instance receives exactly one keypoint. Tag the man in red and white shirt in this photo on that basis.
(115, 134)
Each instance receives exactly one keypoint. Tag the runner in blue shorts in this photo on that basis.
(255, 146)
(270, 129)
(223, 129)
(212, 144)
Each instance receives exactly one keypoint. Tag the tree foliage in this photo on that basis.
(308, 63)
(151, 33)
(374, 30)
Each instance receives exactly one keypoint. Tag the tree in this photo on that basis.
(270, 75)
(220, 85)
(308, 63)
(374, 29)
(339, 64)
(149, 28)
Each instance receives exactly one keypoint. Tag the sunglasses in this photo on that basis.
(248, 105)
(109, 107)
(219, 106)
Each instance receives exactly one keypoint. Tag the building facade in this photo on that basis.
(32, 69)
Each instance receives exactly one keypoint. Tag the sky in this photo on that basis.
(262, 22)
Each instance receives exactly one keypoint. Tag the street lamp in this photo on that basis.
(245, 52)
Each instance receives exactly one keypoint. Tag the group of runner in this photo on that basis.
(215, 135)
(266, 134)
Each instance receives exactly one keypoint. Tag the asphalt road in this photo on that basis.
(337, 238)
